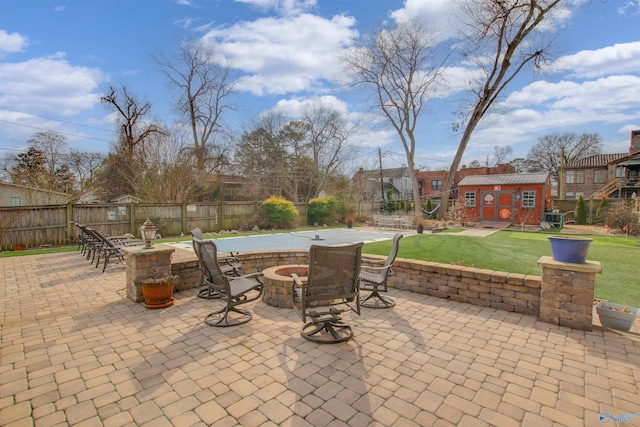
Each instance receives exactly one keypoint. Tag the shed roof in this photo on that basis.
(505, 179)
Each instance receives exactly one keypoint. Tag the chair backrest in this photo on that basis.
(197, 233)
(100, 237)
(207, 254)
(333, 271)
(394, 250)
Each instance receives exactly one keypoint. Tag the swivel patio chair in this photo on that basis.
(331, 289)
(374, 279)
(234, 291)
(230, 267)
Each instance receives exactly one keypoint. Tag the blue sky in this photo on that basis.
(58, 57)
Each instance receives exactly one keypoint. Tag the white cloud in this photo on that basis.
(59, 8)
(284, 7)
(617, 59)
(437, 15)
(630, 8)
(294, 107)
(48, 85)
(12, 42)
(283, 55)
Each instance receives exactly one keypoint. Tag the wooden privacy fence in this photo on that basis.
(37, 226)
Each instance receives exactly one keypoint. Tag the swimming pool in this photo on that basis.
(293, 240)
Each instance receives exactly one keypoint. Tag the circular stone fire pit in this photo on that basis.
(277, 284)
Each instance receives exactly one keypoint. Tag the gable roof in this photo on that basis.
(505, 179)
(596, 161)
(386, 173)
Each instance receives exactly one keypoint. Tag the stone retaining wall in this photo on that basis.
(487, 288)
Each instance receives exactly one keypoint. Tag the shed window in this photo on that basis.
(15, 201)
(469, 199)
(528, 199)
(600, 176)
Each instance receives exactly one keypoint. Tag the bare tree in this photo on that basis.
(328, 132)
(170, 175)
(84, 165)
(204, 86)
(53, 146)
(552, 152)
(397, 65)
(500, 154)
(123, 166)
(501, 40)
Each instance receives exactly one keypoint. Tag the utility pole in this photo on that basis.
(381, 177)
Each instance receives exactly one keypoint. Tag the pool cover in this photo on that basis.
(293, 240)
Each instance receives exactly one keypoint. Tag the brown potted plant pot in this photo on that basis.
(157, 290)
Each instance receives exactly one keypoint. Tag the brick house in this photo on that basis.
(609, 175)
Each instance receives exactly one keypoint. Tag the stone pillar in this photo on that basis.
(141, 262)
(566, 294)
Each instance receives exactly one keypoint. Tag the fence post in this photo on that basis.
(69, 222)
(132, 219)
(183, 214)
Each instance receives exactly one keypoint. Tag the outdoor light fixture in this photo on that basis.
(148, 231)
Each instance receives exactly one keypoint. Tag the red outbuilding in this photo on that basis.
(512, 198)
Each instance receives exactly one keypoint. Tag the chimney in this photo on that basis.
(634, 147)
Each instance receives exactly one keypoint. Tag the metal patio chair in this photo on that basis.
(332, 281)
(234, 291)
(231, 266)
(374, 278)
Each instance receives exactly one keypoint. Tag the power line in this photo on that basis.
(57, 131)
(58, 120)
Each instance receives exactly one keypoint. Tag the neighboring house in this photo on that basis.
(432, 181)
(369, 183)
(20, 195)
(512, 198)
(605, 175)
(125, 199)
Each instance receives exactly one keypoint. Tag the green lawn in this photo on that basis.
(518, 252)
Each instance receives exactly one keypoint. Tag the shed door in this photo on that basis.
(497, 206)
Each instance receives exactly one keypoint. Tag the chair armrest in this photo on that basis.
(366, 267)
(373, 260)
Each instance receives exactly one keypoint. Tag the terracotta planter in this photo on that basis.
(572, 249)
(157, 292)
(19, 247)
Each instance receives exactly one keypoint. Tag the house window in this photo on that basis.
(15, 201)
(528, 199)
(579, 193)
(620, 171)
(600, 176)
(569, 195)
(436, 184)
(469, 199)
(579, 177)
(570, 177)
